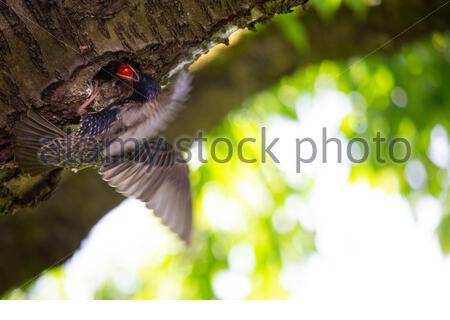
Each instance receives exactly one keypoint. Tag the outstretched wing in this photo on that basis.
(155, 173)
(150, 118)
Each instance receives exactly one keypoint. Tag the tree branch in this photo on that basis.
(261, 59)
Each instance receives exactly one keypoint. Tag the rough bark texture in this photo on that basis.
(222, 85)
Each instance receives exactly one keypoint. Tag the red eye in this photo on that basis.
(126, 71)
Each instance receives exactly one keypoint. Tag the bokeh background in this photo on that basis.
(334, 233)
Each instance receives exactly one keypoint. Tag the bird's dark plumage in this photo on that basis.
(145, 89)
(149, 168)
(96, 123)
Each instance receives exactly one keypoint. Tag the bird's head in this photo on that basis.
(144, 86)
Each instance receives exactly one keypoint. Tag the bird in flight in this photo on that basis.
(121, 141)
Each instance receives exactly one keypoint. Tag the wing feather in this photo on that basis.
(160, 181)
(152, 117)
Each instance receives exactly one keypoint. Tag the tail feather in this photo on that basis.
(32, 132)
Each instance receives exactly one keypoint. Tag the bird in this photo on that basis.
(120, 140)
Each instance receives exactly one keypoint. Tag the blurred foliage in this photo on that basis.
(243, 208)
(399, 96)
(328, 8)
